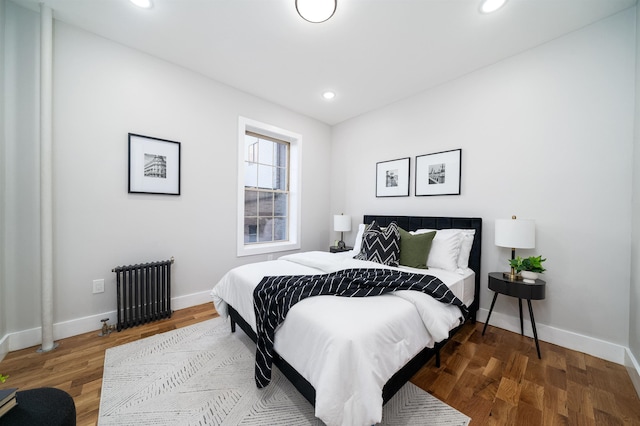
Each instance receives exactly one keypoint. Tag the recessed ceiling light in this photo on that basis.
(328, 95)
(488, 6)
(145, 4)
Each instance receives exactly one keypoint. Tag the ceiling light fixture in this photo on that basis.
(316, 11)
(145, 4)
(328, 95)
(488, 6)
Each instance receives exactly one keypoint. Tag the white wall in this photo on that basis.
(22, 202)
(4, 347)
(634, 296)
(102, 91)
(546, 135)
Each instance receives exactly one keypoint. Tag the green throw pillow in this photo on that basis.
(414, 249)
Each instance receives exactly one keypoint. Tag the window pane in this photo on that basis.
(265, 177)
(251, 148)
(250, 174)
(280, 179)
(280, 229)
(281, 155)
(266, 152)
(250, 203)
(265, 206)
(280, 204)
(267, 202)
(250, 230)
(265, 230)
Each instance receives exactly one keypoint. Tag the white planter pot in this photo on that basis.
(529, 277)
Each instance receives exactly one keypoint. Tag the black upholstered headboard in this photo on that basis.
(412, 223)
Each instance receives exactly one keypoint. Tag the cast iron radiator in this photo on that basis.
(144, 293)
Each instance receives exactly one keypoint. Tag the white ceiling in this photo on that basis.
(371, 53)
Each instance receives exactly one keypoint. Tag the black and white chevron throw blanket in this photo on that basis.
(274, 296)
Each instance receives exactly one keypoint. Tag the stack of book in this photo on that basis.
(7, 400)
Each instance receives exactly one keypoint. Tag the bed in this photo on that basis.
(349, 356)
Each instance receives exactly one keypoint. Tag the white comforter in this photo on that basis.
(347, 348)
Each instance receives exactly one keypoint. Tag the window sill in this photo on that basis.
(266, 248)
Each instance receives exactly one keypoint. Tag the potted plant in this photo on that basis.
(528, 267)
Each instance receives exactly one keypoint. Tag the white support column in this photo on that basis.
(46, 174)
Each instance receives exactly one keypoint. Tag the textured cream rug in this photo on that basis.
(203, 375)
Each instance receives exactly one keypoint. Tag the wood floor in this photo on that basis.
(495, 379)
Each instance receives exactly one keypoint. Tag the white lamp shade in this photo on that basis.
(341, 223)
(515, 233)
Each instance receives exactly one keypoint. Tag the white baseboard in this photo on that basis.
(592, 346)
(192, 299)
(4, 347)
(634, 369)
(32, 337)
(567, 339)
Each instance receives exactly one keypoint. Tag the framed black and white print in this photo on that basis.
(392, 178)
(439, 173)
(154, 165)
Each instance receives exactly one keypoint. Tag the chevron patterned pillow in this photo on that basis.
(381, 245)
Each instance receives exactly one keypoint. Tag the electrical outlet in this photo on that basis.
(98, 286)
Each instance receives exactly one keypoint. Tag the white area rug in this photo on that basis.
(203, 375)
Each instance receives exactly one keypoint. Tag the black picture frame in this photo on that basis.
(439, 173)
(154, 165)
(392, 178)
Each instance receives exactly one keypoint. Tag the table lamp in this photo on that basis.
(515, 233)
(341, 223)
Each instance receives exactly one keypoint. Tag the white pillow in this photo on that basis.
(357, 245)
(445, 248)
(465, 247)
(464, 250)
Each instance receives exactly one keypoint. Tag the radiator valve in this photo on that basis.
(106, 328)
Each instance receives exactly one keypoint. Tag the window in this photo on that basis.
(268, 189)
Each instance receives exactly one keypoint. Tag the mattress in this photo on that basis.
(347, 348)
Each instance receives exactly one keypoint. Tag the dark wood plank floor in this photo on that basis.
(495, 379)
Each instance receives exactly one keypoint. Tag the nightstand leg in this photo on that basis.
(533, 325)
(495, 296)
(521, 323)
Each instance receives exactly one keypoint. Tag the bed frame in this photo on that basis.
(408, 223)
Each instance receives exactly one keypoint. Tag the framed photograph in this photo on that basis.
(154, 165)
(392, 178)
(439, 173)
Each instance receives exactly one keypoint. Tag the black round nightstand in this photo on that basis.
(502, 285)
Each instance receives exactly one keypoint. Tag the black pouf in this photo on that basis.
(40, 407)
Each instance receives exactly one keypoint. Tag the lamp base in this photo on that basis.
(512, 277)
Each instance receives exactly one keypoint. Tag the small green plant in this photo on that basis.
(532, 263)
(3, 378)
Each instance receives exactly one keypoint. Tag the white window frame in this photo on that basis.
(295, 204)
